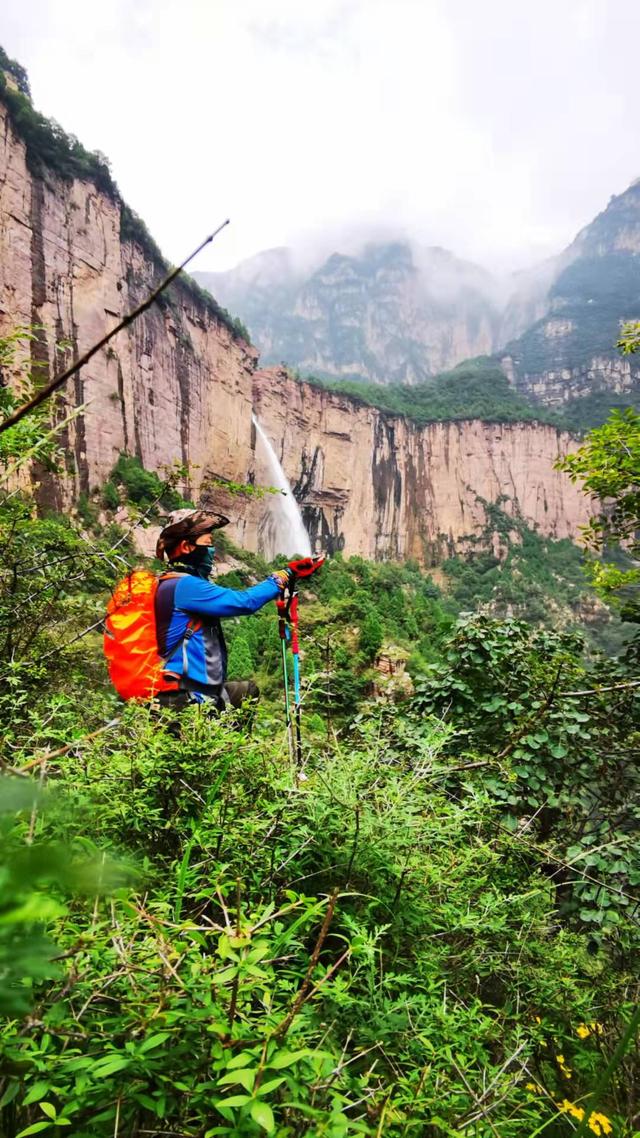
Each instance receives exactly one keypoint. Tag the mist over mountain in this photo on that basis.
(395, 312)
(390, 312)
(382, 310)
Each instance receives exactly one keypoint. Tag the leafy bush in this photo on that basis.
(220, 997)
(16, 70)
(240, 664)
(110, 496)
(371, 635)
(144, 487)
(560, 763)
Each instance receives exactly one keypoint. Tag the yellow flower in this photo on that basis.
(584, 1030)
(571, 1108)
(535, 1088)
(599, 1123)
(566, 1071)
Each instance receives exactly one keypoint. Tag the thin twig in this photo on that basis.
(63, 750)
(59, 380)
(608, 687)
(285, 1024)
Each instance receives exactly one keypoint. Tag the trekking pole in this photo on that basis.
(295, 652)
(281, 605)
(288, 630)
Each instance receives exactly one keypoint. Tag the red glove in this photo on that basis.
(306, 566)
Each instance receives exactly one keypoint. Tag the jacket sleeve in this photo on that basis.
(202, 598)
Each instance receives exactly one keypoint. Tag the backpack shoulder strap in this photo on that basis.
(165, 606)
(165, 597)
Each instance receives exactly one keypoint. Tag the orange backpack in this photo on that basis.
(135, 665)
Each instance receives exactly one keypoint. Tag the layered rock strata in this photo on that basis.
(382, 487)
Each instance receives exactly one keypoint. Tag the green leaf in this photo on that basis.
(109, 1066)
(10, 1094)
(241, 1060)
(38, 1089)
(235, 1100)
(37, 1126)
(245, 1076)
(225, 975)
(287, 1058)
(146, 1101)
(262, 1113)
(266, 1088)
(154, 1040)
(48, 1108)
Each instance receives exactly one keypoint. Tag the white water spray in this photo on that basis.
(282, 529)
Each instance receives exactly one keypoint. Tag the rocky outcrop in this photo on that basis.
(379, 486)
(175, 388)
(569, 353)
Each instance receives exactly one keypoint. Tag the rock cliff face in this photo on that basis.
(174, 388)
(391, 314)
(179, 386)
(381, 487)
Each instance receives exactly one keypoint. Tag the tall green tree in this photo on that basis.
(608, 465)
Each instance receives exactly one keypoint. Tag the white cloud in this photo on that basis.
(496, 129)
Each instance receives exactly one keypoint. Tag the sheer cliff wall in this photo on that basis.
(179, 386)
(175, 387)
(382, 487)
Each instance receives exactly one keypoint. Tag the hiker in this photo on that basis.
(188, 609)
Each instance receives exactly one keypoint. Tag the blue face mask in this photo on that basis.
(200, 561)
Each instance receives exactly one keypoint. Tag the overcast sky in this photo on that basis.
(494, 127)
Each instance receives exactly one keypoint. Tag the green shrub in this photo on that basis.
(144, 487)
(371, 635)
(110, 496)
(240, 664)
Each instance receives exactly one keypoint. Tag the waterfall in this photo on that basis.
(282, 529)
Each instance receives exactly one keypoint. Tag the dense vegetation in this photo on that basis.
(476, 389)
(431, 930)
(17, 72)
(479, 389)
(591, 294)
(608, 466)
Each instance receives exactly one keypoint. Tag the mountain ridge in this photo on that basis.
(360, 314)
(396, 313)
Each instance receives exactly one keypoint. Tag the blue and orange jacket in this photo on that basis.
(190, 636)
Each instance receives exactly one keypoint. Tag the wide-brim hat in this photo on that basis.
(187, 525)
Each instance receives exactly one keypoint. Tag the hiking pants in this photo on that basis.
(237, 692)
